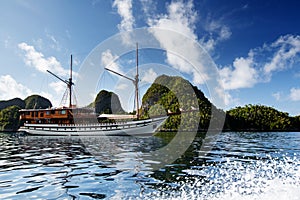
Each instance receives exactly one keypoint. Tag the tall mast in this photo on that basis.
(137, 83)
(68, 82)
(70, 85)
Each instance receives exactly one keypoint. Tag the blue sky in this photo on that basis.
(255, 45)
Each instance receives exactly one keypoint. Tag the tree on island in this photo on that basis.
(177, 95)
(247, 118)
(9, 110)
(108, 103)
(9, 118)
(260, 118)
(170, 94)
(37, 102)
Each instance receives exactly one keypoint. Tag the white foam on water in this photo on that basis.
(274, 189)
(271, 178)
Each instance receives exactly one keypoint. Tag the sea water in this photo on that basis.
(237, 166)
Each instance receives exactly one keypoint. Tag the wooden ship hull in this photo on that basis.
(131, 128)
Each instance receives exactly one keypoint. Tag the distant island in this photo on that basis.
(9, 110)
(246, 118)
(33, 101)
(160, 98)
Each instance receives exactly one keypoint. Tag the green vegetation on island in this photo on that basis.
(161, 95)
(260, 118)
(12, 102)
(176, 97)
(9, 118)
(37, 102)
(9, 110)
(107, 102)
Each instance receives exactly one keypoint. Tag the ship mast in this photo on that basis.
(135, 82)
(68, 82)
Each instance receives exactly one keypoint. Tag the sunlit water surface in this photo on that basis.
(239, 166)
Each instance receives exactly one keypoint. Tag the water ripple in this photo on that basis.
(240, 166)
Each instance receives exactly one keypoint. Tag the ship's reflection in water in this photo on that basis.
(239, 166)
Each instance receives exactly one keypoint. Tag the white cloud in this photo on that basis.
(181, 19)
(76, 61)
(122, 86)
(277, 95)
(54, 101)
(148, 7)
(259, 65)
(208, 44)
(55, 44)
(37, 60)
(108, 60)
(295, 94)
(149, 76)
(59, 87)
(241, 75)
(124, 8)
(229, 100)
(10, 88)
(125, 11)
(215, 27)
(58, 98)
(287, 48)
(225, 33)
(216, 32)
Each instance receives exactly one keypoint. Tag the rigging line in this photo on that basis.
(44, 84)
(47, 78)
(102, 81)
(110, 77)
(74, 100)
(41, 85)
(100, 84)
(64, 98)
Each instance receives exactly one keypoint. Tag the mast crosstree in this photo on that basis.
(68, 82)
(135, 82)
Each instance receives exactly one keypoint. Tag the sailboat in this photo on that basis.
(73, 121)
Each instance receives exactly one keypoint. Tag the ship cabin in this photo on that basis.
(47, 116)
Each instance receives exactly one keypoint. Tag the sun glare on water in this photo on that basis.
(271, 178)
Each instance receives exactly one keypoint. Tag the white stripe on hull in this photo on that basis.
(142, 127)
